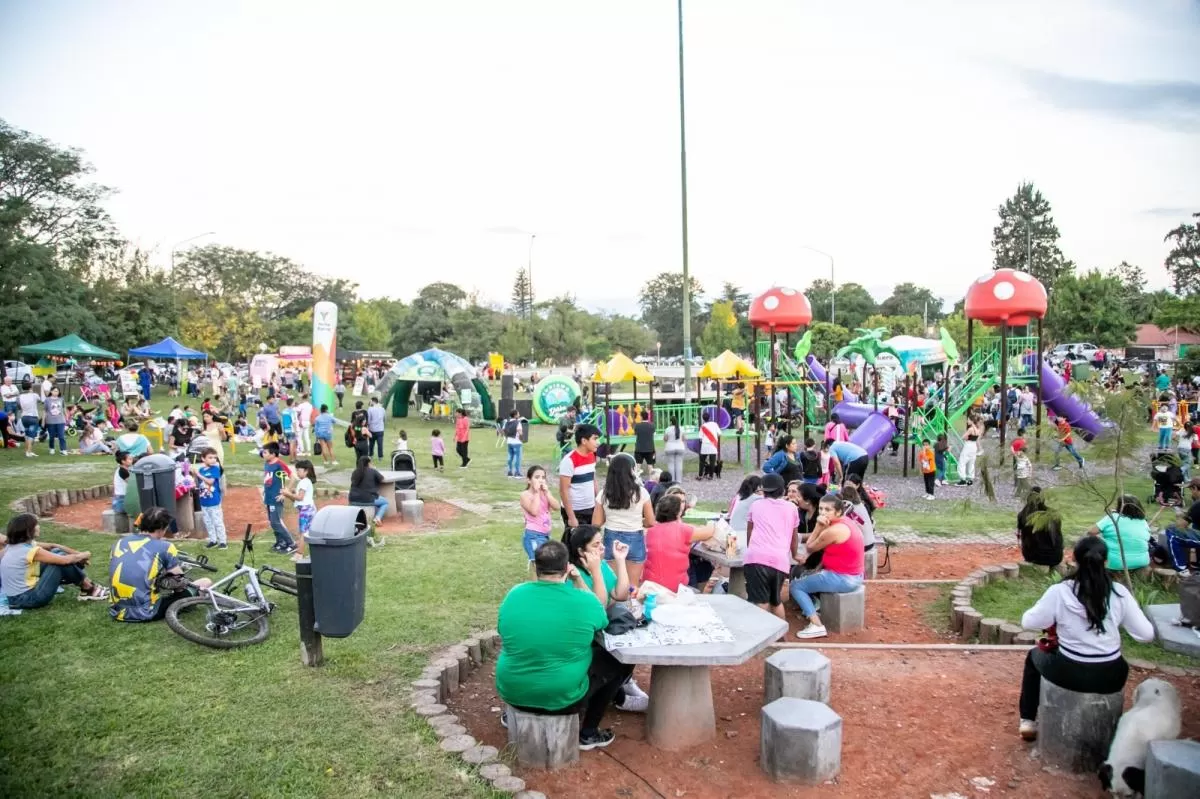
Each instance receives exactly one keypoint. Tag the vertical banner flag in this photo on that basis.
(324, 351)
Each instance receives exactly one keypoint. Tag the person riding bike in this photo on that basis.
(145, 572)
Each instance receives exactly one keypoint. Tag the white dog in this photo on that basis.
(1155, 716)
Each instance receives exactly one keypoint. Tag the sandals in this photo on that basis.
(97, 594)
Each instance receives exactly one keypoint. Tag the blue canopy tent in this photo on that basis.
(169, 350)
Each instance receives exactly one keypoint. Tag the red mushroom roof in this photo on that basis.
(1006, 296)
(782, 310)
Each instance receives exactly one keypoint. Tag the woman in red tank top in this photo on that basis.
(842, 563)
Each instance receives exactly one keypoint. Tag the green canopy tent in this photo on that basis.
(71, 346)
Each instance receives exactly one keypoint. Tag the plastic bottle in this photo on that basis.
(251, 595)
(648, 606)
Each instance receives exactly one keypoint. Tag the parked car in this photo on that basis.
(18, 370)
(1081, 350)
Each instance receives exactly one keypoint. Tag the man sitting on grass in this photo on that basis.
(145, 573)
(550, 664)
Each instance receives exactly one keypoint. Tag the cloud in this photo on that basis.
(1178, 212)
(1174, 105)
(507, 230)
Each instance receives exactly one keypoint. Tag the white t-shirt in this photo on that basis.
(626, 520)
(10, 393)
(710, 446)
(305, 487)
(304, 410)
(120, 481)
(29, 403)
(581, 470)
(1164, 419)
(1060, 606)
(46, 386)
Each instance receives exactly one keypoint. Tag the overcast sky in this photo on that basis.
(397, 143)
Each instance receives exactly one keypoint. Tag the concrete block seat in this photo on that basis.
(844, 613)
(1173, 770)
(801, 741)
(1075, 730)
(547, 742)
(798, 673)
(113, 522)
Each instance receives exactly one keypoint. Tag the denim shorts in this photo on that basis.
(32, 426)
(532, 540)
(636, 542)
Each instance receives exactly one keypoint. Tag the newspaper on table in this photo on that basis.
(684, 621)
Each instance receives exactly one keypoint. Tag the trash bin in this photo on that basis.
(337, 546)
(154, 477)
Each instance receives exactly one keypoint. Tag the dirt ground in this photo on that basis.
(243, 506)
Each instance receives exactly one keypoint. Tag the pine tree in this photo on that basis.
(522, 295)
(1027, 238)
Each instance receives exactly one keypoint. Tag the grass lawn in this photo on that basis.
(1008, 599)
(97, 708)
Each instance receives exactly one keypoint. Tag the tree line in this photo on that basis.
(65, 268)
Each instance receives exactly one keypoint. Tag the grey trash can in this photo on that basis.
(154, 476)
(337, 546)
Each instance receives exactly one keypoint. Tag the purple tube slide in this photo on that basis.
(875, 433)
(853, 414)
(1057, 399)
(819, 376)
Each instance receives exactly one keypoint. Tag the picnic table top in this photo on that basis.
(753, 629)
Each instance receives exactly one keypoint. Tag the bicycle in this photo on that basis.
(222, 621)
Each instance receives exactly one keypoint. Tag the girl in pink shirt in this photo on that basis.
(841, 566)
(536, 504)
(770, 540)
(462, 436)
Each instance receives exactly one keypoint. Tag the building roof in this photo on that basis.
(1155, 336)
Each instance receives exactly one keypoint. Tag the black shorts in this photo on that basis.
(763, 584)
(858, 466)
(643, 457)
(275, 427)
(581, 516)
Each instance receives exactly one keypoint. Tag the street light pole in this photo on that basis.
(529, 274)
(832, 281)
(687, 299)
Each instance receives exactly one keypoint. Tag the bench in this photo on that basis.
(1076, 729)
(546, 742)
(798, 673)
(801, 741)
(844, 613)
(113, 522)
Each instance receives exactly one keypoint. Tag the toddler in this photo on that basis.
(437, 446)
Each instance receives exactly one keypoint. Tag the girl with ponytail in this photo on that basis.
(840, 540)
(1087, 611)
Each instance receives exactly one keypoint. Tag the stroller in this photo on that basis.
(405, 465)
(1167, 474)
(89, 392)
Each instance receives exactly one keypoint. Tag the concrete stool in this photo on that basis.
(801, 741)
(113, 522)
(844, 613)
(1173, 770)
(1075, 730)
(549, 742)
(184, 514)
(798, 673)
(405, 494)
(198, 522)
(413, 511)
(870, 563)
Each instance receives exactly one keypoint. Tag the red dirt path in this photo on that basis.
(243, 506)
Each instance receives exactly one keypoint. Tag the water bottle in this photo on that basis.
(648, 606)
(252, 596)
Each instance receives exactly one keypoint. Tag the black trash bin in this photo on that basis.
(154, 477)
(337, 546)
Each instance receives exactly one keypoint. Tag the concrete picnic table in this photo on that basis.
(735, 564)
(681, 712)
(388, 485)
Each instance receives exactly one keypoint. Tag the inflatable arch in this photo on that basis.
(435, 367)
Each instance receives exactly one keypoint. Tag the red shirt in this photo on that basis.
(667, 548)
(1064, 431)
(462, 429)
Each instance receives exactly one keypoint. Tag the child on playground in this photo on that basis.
(940, 448)
(826, 461)
(437, 446)
(208, 479)
(536, 504)
(1164, 423)
(302, 497)
(402, 441)
(928, 460)
(1022, 471)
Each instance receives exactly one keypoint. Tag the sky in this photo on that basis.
(399, 143)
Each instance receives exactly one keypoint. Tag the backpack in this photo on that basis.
(512, 428)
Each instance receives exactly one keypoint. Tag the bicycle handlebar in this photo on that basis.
(201, 562)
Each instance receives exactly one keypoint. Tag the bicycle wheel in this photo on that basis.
(221, 627)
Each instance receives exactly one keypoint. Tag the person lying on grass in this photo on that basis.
(840, 540)
(31, 572)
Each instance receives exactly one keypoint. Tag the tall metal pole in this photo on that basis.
(687, 289)
(832, 281)
(529, 274)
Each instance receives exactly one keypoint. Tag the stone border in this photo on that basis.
(41, 503)
(446, 673)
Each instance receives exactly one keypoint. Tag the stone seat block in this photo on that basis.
(798, 673)
(1075, 729)
(547, 742)
(801, 741)
(113, 522)
(844, 613)
(1173, 770)
(412, 511)
(871, 563)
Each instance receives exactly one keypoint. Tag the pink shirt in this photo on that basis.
(541, 522)
(462, 429)
(846, 557)
(437, 446)
(775, 522)
(667, 547)
(836, 431)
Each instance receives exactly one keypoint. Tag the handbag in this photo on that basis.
(620, 619)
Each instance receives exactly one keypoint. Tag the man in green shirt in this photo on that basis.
(550, 663)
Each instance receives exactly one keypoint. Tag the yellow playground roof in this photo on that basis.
(621, 368)
(726, 366)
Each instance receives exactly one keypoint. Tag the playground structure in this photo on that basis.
(429, 370)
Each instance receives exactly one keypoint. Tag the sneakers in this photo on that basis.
(30, 454)
(1082, 463)
(962, 483)
(289, 550)
(929, 496)
(812, 631)
(504, 719)
(634, 704)
(597, 739)
(1056, 468)
(1028, 730)
(210, 545)
(222, 546)
(633, 689)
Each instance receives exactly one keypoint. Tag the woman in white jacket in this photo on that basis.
(1087, 611)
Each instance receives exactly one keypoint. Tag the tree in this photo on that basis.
(522, 297)
(429, 317)
(627, 335)
(898, 325)
(1027, 238)
(909, 299)
(563, 331)
(741, 309)
(1090, 307)
(661, 301)
(956, 326)
(1181, 312)
(854, 303)
(475, 330)
(827, 339)
(48, 187)
(721, 332)
(370, 326)
(1183, 262)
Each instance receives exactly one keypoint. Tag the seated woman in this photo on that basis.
(92, 442)
(840, 541)
(747, 494)
(551, 663)
(660, 486)
(1040, 530)
(134, 442)
(364, 488)
(1087, 611)
(180, 436)
(12, 433)
(859, 514)
(669, 544)
(1129, 525)
(30, 574)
